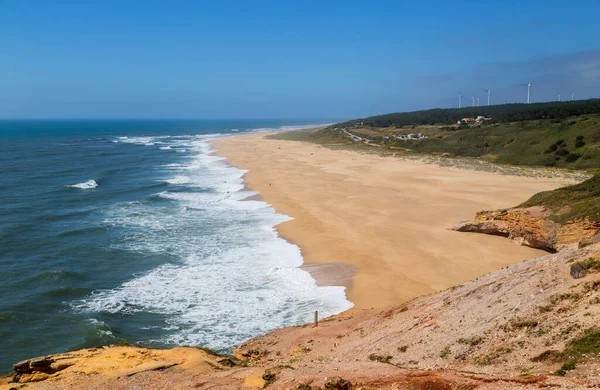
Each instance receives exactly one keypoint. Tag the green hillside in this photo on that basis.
(572, 202)
(499, 113)
(567, 142)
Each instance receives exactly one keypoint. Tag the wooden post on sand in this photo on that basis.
(316, 319)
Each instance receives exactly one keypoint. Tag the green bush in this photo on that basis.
(572, 157)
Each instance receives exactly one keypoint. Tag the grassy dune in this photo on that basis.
(572, 202)
(572, 143)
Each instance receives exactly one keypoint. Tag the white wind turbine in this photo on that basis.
(489, 92)
(572, 96)
(528, 91)
(460, 98)
(559, 97)
(473, 101)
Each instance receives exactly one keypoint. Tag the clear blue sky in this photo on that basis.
(288, 59)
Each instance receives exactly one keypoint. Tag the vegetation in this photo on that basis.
(519, 322)
(499, 113)
(570, 143)
(568, 366)
(473, 341)
(556, 298)
(378, 358)
(493, 356)
(572, 202)
(445, 352)
(586, 345)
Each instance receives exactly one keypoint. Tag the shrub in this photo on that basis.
(524, 323)
(473, 341)
(545, 309)
(591, 264)
(381, 359)
(568, 366)
(587, 344)
(554, 299)
(445, 352)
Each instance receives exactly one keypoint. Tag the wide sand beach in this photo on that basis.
(379, 225)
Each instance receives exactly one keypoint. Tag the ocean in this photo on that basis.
(135, 232)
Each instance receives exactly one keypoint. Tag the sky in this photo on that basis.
(288, 59)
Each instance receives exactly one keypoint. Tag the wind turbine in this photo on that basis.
(460, 98)
(473, 101)
(528, 91)
(477, 102)
(489, 91)
(559, 97)
(572, 96)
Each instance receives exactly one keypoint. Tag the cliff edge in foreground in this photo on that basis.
(530, 325)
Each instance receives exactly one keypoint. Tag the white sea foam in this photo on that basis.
(179, 180)
(85, 185)
(233, 277)
(146, 141)
(165, 148)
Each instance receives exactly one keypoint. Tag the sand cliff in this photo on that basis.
(532, 227)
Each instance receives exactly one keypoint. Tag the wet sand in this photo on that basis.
(382, 220)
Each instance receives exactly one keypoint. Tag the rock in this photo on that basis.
(589, 241)
(337, 383)
(578, 270)
(268, 376)
(227, 362)
(533, 227)
(21, 367)
(250, 354)
(37, 377)
(303, 387)
(41, 364)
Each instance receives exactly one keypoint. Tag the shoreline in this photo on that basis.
(324, 274)
(353, 209)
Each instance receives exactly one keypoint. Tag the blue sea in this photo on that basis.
(134, 231)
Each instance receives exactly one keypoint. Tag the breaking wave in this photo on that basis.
(232, 277)
(85, 185)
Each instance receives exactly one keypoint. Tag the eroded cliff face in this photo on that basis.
(533, 227)
(507, 329)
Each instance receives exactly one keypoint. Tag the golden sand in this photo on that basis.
(386, 217)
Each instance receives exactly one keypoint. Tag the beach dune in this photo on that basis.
(385, 218)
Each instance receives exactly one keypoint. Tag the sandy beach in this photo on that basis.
(379, 225)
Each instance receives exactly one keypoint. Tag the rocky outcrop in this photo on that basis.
(533, 227)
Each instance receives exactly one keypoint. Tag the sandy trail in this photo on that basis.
(386, 217)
